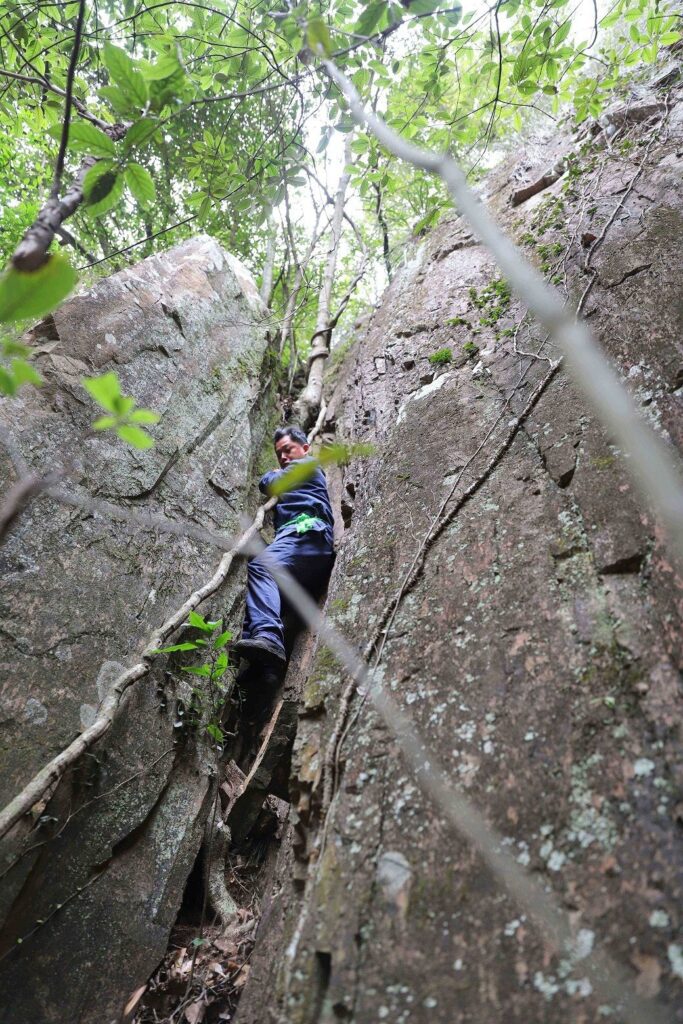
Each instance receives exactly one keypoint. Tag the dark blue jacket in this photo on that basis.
(310, 497)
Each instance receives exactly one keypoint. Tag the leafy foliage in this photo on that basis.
(195, 118)
(207, 699)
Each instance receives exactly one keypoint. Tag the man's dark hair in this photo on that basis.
(296, 434)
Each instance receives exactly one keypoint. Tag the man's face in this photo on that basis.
(287, 450)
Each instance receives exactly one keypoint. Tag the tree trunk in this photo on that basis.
(266, 290)
(308, 403)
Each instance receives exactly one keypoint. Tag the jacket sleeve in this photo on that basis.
(268, 479)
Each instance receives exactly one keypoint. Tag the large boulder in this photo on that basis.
(93, 878)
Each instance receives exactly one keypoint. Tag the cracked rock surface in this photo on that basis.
(538, 651)
(104, 862)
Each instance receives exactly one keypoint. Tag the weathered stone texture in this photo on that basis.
(538, 652)
(108, 860)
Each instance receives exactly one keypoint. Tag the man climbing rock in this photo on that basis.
(303, 545)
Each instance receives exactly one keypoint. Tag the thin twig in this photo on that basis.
(68, 95)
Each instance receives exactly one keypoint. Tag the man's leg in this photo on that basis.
(308, 557)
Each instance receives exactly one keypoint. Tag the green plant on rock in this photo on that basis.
(441, 357)
(470, 349)
(494, 299)
(208, 698)
(123, 417)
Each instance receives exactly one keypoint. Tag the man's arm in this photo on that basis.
(267, 480)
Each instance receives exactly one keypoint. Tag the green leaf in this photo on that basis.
(139, 181)
(105, 389)
(165, 67)
(370, 18)
(197, 620)
(139, 133)
(105, 423)
(117, 62)
(186, 646)
(116, 98)
(425, 6)
(562, 33)
(519, 68)
(8, 385)
(10, 347)
(144, 416)
(122, 406)
(215, 732)
(319, 37)
(135, 437)
(86, 138)
(26, 294)
(106, 188)
(136, 88)
(299, 472)
(223, 639)
(93, 175)
(24, 373)
(124, 74)
(197, 670)
(221, 665)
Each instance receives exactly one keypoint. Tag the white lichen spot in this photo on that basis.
(556, 860)
(659, 919)
(393, 873)
(383, 1012)
(88, 714)
(643, 767)
(582, 946)
(511, 927)
(578, 987)
(523, 857)
(430, 1002)
(547, 986)
(457, 964)
(675, 954)
(529, 736)
(35, 713)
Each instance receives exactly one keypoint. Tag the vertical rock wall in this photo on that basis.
(92, 879)
(539, 650)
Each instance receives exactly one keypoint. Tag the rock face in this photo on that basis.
(537, 651)
(96, 877)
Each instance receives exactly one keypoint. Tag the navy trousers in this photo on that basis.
(308, 557)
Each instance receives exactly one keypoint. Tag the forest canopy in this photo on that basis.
(150, 122)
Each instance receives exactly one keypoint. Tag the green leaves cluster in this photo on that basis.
(15, 369)
(207, 701)
(124, 418)
(218, 108)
